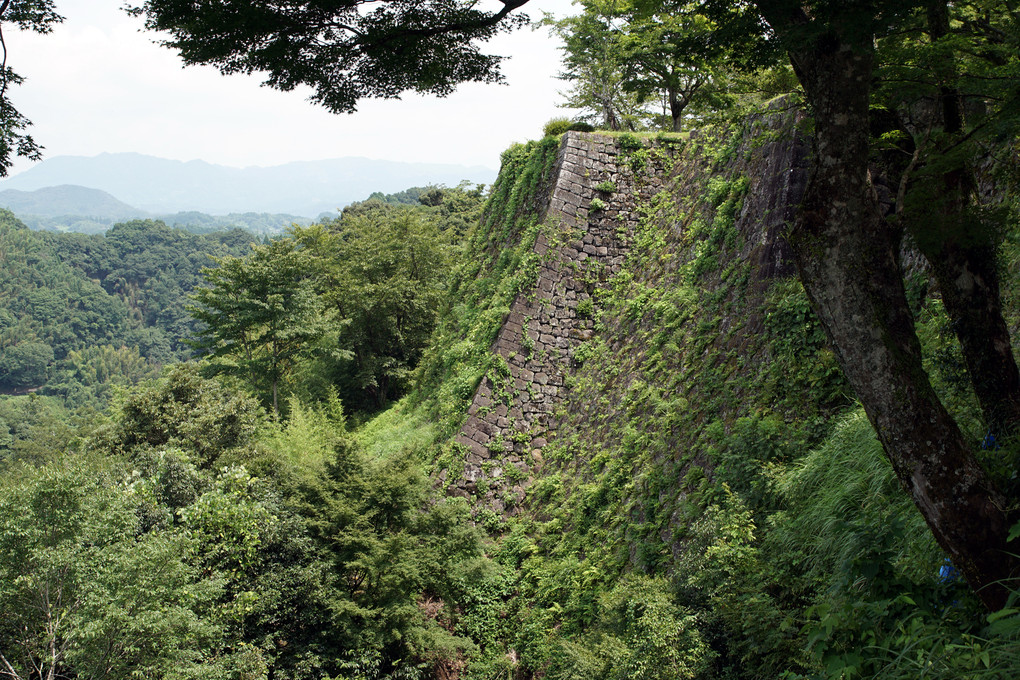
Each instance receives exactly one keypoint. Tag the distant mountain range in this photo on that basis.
(159, 186)
(73, 208)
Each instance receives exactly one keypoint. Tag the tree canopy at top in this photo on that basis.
(345, 50)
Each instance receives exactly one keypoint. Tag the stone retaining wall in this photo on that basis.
(581, 246)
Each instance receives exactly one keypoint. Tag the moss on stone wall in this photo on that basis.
(631, 388)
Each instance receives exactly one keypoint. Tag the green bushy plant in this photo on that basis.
(85, 593)
(557, 126)
(640, 634)
(629, 143)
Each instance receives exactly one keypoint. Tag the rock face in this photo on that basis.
(604, 187)
(591, 211)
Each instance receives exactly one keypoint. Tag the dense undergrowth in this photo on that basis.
(713, 504)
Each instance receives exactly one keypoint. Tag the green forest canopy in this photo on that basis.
(749, 596)
(81, 310)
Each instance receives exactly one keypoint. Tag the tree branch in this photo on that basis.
(3, 46)
(456, 27)
(10, 669)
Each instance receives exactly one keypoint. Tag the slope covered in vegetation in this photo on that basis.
(710, 501)
(706, 500)
(623, 443)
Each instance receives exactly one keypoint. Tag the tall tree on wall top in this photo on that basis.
(620, 55)
(846, 248)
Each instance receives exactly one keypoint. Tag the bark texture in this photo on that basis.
(844, 249)
(969, 283)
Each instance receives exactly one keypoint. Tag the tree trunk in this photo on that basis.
(845, 254)
(961, 251)
(969, 283)
(676, 110)
(609, 117)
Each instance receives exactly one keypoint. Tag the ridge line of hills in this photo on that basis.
(74, 208)
(158, 186)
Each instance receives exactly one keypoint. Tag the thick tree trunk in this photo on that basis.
(962, 254)
(847, 261)
(969, 283)
(676, 111)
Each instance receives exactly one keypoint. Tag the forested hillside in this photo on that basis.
(67, 200)
(192, 531)
(81, 312)
(85, 314)
(722, 391)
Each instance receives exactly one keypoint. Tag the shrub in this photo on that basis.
(630, 143)
(557, 126)
(640, 633)
(586, 309)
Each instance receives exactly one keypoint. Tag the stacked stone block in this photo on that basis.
(511, 417)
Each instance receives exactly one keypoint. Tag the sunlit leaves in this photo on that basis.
(261, 314)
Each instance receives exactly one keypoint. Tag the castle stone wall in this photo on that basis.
(581, 246)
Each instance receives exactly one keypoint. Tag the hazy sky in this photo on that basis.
(98, 83)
